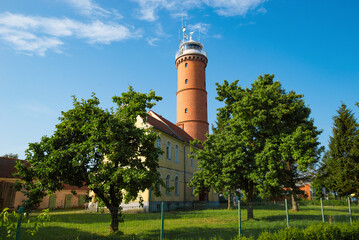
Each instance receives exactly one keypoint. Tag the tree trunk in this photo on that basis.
(229, 202)
(114, 219)
(250, 198)
(294, 203)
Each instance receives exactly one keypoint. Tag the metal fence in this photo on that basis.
(191, 221)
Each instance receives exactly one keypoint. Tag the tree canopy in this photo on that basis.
(264, 138)
(339, 170)
(11, 155)
(98, 148)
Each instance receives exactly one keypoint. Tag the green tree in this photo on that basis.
(11, 155)
(339, 171)
(98, 148)
(267, 138)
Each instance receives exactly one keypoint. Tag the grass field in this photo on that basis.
(201, 224)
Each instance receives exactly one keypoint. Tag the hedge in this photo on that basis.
(321, 231)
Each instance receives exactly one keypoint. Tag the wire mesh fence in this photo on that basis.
(189, 221)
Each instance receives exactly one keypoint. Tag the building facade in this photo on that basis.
(10, 198)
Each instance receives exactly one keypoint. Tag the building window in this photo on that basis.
(176, 153)
(192, 189)
(192, 164)
(186, 81)
(186, 64)
(159, 146)
(159, 186)
(186, 110)
(168, 181)
(176, 186)
(168, 150)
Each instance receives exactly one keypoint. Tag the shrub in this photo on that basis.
(266, 236)
(349, 232)
(322, 232)
(291, 233)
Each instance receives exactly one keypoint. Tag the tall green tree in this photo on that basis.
(98, 148)
(339, 171)
(266, 138)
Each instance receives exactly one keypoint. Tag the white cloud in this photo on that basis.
(152, 41)
(36, 35)
(262, 10)
(201, 28)
(149, 8)
(90, 8)
(233, 7)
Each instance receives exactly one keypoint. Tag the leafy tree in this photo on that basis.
(267, 138)
(98, 148)
(339, 171)
(9, 219)
(11, 155)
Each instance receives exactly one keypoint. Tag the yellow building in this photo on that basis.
(176, 168)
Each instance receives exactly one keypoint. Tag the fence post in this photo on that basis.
(321, 204)
(350, 212)
(162, 219)
(286, 210)
(18, 228)
(239, 217)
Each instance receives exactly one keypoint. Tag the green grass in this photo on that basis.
(202, 224)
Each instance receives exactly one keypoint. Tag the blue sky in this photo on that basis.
(52, 49)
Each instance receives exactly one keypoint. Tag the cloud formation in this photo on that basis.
(37, 35)
(149, 8)
(90, 8)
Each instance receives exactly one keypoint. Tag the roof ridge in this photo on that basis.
(158, 117)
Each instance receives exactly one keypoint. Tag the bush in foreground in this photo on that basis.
(315, 232)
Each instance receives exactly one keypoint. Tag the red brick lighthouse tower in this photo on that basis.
(191, 63)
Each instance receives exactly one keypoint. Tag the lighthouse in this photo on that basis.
(191, 62)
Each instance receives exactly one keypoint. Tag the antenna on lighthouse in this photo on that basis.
(190, 36)
(185, 37)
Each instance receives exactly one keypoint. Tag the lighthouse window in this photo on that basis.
(186, 64)
(186, 81)
(186, 110)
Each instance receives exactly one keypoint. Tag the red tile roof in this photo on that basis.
(162, 124)
(7, 167)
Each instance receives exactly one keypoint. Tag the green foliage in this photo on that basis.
(339, 171)
(264, 140)
(9, 219)
(98, 148)
(325, 202)
(315, 232)
(322, 232)
(11, 155)
(291, 233)
(266, 236)
(349, 232)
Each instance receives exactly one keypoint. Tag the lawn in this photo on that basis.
(200, 224)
